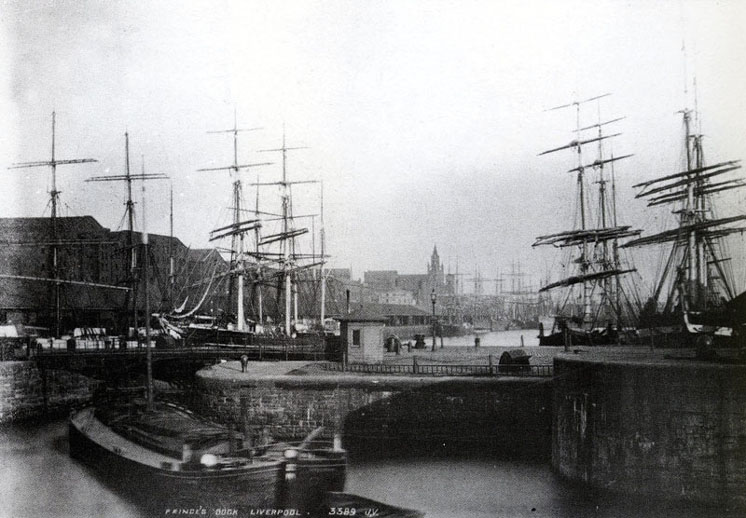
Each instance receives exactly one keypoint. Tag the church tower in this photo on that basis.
(435, 273)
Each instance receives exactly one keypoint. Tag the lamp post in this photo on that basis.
(433, 298)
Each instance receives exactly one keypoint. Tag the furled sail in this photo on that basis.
(577, 279)
(682, 231)
(282, 236)
(578, 237)
(689, 172)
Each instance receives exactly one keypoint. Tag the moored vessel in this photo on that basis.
(596, 307)
(192, 462)
(693, 300)
(271, 276)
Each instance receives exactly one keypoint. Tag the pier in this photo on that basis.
(384, 414)
(621, 419)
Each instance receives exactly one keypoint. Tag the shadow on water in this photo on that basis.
(450, 451)
(143, 503)
(454, 418)
(451, 486)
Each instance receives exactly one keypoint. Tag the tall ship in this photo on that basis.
(267, 273)
(695, 299)
(596, 306)
(226, 323)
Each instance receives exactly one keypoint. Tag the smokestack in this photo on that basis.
(348, 301)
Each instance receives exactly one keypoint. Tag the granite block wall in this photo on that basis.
(25, 393)
(670, 429)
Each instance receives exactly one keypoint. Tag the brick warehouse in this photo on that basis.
(89, 252)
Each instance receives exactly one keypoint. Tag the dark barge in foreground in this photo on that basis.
(181, 460)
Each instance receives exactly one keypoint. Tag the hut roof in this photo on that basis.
(364, 314)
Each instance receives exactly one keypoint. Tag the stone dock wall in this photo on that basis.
(388, 414)
(673, 429)
(27, 392)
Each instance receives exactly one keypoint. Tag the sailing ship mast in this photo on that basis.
(287, 236)
(148, 352)
(238, 227)
(597, 267)
(54, 199)
(258, 277)
(128, 178)
(695, 277)
(610, 259)
(322, 236)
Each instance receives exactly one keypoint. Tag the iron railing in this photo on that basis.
(441, 370)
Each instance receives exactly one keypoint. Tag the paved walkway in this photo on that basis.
(232, 369)
(460, 355)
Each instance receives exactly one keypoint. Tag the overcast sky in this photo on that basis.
(423, 118)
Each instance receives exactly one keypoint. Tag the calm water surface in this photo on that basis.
(511, 338)
(38, 479)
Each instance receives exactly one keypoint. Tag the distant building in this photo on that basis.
(435, 273)
(397, 296)
(381, 279)
(388, 285)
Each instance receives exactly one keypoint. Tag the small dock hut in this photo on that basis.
(362, 336)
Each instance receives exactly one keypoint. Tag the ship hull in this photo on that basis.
(160, 483)
(686, 331)
(563, 333)
(577, 337)
(107, 453)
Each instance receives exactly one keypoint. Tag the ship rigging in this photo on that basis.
(691, 296)
(605, 306)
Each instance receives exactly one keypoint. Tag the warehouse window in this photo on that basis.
(356, 337)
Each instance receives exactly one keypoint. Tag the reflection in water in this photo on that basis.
(38, 479)
(447, 488)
